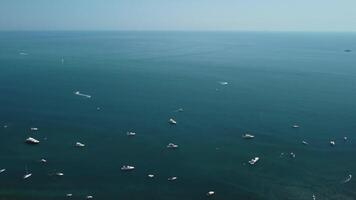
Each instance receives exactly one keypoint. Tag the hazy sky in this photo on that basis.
(270, 15)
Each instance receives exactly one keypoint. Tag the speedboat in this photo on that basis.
(253, 161)
(210, 193)
(173, 178)
(31, 140)
(78, 144)
(172, 146)
(34, 129)
(223, 82)
(127, 168)
(59, 174)
(89, 197)
(248, 136)
(172, 121)
(151, 176)
(43, 160)
(2, 170)
(81, 94)
(348, 178)
(180, 110)
(28, 175)
(130, 133)
(345, 138)
(332, 143)
(69, 195)
(304, 142)
(295, 126)
(292, 154)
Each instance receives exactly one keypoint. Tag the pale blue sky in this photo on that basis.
(255, 15)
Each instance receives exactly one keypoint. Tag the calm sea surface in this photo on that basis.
(138, 80)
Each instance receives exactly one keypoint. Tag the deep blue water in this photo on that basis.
(139, 79)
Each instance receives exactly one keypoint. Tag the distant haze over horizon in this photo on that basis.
(184, 15)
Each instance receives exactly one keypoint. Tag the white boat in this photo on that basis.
(43, 160)
(332, 143)
(348, 178)
(248, 136)
(83, 95)
(172, 121)
(130, 133)
(173, 178)
(210, 193)
(31, 140)
(345, 138)
(78, 144)
(69, 195)
(292, 154)
(295, 126)
(254, 160)
(127, 168)
(223, 82)
(26, 176)
(180, 110)
(313, 197)
(2, 170)
(89, 197)
(172, 146)
(34, 129)
(304, 142)
(151, 176)
(59, 174)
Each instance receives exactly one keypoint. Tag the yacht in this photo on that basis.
(248, 136)
(127, 168)
(254, 160)
(172, 146)
(78, 144)
(31, 140)
(172, 121)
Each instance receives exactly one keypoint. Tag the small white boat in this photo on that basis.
(248, 136)
(314, 197)
(210, 193)
(2, 170)
(345, 138)
(59, 174)
(223, 83)
(130, 133)
(172, 121)
(89, 197)
(332, 143)
(292, 154)
(43, 160)
(295, 126)
(5, 126)
(69, 195)
(78, 144)
(172, 146)
(151, 176)
(304, 142)
(34, 129)
(348, 178)
(26, 176)
(173, 178)
(180, 110)
(254, 160)
(31, 140)
(127, 168)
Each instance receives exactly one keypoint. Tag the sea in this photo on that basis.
(217, 86)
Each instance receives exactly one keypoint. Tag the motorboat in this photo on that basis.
(28, 175)
(130, 133)
(172, 121)
(210, 193)
(127, 168)
(248, 136)
(173, 178)
(43, 160)
(295, 126)
(151, 176)
(332, 143)
(304, 142)
(34, 129)
(59, 174)
(172, 146)
(78, 144)
(254, 160)
(2, 170)
(31, 140)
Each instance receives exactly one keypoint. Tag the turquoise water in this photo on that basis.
(139, 80)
